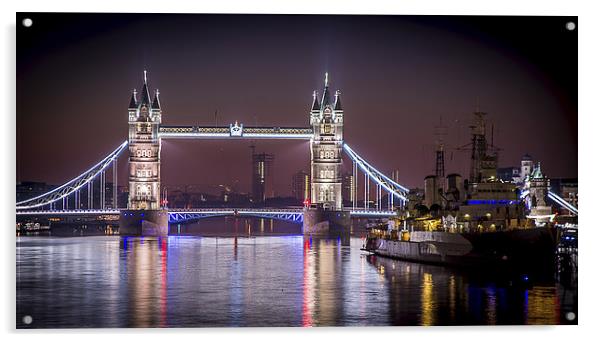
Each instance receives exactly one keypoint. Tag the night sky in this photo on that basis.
(398, 76)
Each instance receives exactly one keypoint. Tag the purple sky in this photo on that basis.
(398, 76)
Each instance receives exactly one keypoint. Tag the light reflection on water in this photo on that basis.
(111, 281)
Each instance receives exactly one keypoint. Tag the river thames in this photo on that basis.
(264, 274)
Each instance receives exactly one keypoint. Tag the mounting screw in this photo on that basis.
(570, 316)
(27, 319)
(570, 26)
(27, 23)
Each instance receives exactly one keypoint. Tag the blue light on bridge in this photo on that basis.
(492, 202)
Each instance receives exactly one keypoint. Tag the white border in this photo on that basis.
(590, 80)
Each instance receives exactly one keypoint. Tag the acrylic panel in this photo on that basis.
(221, 170)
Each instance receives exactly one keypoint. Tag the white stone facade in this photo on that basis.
(326, 120)
(145, 152)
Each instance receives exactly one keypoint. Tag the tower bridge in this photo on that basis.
(146, 212)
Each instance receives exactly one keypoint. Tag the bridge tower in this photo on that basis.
(326, 148)
(538, 185)
(326, 119)
(144, 215)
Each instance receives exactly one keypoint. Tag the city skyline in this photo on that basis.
(283, 95)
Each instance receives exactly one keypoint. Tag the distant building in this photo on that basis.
(431, 193)
(301, 185)
(262, 177)
(526, 167)
(27, 190)
(348, 189)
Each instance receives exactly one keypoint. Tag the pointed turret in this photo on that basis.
(537, 172)
(316, 104)
(337, 101)
(133, 101)
(145, 96)
(326, 94)
(156, 104)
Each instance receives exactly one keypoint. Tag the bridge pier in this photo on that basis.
(144, 222)
(323, 222)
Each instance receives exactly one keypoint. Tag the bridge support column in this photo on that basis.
(144, 222)
(326, 223)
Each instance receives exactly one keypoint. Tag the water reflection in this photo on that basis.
(254, 281)
(434, 295)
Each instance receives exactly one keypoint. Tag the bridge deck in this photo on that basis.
(200, 132)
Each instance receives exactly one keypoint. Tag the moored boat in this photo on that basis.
(514, 249)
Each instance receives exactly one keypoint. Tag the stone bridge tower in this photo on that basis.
(538, 185)
(145, 215)
(145, 149)
(326, 119)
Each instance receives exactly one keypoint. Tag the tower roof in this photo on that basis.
(537, 172)
(326, 94)
(133, 102)
(337, 101)
(145, 96)
(156, 104)
(527, 157)
(316, 104)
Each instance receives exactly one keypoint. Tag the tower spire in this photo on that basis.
(337, 101)
(326, 95)
(156, 103)
(133, 101)
(315, 104)
(145, 96)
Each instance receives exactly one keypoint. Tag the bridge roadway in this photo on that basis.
(292, 214)
(237, 131)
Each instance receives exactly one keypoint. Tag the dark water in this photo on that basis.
(255, 280)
